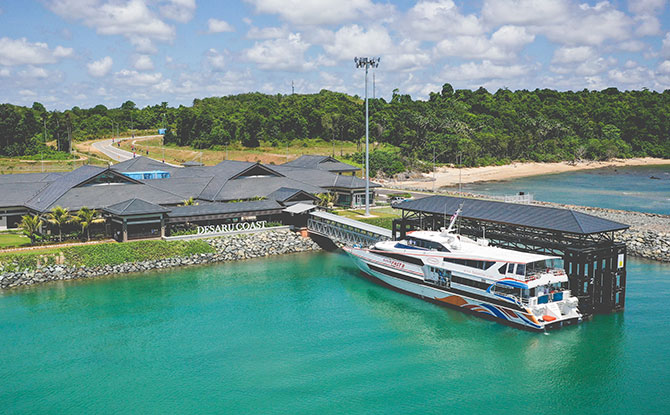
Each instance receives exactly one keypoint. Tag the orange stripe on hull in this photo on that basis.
(453, 300)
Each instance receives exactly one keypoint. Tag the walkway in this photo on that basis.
(346, 231)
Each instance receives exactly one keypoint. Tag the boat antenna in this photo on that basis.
(453, 218)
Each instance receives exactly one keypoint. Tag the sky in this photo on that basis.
(66, 53)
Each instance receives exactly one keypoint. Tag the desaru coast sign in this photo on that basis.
(231, 227)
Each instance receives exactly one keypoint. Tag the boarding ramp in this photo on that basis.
(345, 231)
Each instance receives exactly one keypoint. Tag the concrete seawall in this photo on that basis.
(232, 248)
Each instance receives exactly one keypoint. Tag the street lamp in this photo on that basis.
(367, 63)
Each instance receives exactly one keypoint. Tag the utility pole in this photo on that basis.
(460, 159)
(292, 88)
(367, 63)
(434, 169)
(374, 95)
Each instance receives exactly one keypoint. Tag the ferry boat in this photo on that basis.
(521, 289)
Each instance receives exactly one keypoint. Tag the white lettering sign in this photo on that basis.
(231, 227)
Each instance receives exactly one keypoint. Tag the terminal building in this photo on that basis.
(143, 198)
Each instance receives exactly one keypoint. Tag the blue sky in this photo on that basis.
(64, 53)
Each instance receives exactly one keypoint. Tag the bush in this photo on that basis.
(105, 254)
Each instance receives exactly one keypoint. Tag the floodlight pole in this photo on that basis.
(367, 63)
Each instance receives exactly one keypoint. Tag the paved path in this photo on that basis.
(115, 153)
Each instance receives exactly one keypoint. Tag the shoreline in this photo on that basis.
(449, 176)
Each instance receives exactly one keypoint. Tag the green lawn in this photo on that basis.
(11, 240)
(383, 216)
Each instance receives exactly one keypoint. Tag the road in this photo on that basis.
(115, 153)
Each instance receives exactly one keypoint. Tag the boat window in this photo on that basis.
(471, 263)
(503, 269)
(471, 283)
(521, 269)
(401, 257)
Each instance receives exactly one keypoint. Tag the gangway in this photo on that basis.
(346, 231)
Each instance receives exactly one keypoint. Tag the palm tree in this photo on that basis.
(30, 225)
(327, 199)
(189, 202)
(59, 216)
(87, 217)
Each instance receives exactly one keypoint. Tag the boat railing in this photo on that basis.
(550, 297)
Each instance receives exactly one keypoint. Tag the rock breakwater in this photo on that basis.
(231, 248)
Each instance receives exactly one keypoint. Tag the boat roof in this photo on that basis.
(475, 250)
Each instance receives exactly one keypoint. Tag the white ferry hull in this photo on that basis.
(409, 281)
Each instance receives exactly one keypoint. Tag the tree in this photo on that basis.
(189, 202)
(327, 199)
(87, 217)
(31, 225)
(59, 216)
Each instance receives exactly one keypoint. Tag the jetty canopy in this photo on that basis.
(529, 216)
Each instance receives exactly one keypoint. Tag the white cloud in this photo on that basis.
(215, 60)
(267, 32)
(218, 26)
(353, 40)
(5, 72)
(143, 63)
(562, 21)
(525, 12)
(645, 7)
(179, 10)
(27, 93)
(665, 49)
(504, 44)
(280, 54)
(22, 52)
(648, 26)
(634, 77)
(664, 67)
(100, 68)
(572, 54)
(485, 70)
(34, 72)
(433, 20)
(132, 19)
(320, 12)
(137, 79)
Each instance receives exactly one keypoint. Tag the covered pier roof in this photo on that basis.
(529, 216)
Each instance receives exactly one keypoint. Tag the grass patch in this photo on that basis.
(103, 254)
(384, 216)
(13, 240)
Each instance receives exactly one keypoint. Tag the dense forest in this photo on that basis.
(483, 127)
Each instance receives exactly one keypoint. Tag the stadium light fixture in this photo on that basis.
(367, 63)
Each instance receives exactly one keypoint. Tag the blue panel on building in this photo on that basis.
(147, 175)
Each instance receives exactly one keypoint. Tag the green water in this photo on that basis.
(305, 334)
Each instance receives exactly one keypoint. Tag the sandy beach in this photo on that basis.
(449, 176)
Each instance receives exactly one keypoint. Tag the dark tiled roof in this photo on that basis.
(184, 187)
(325, 163)
(323, 179)
(531, 216)
(18, 194)
(135, 207)
(284, 193)
(142, 163)
(247, 187)
(28, 177)
(43, 200)
(101, 196)
(224, 208)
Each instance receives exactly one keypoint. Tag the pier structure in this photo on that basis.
(345, 231)
(594, 261)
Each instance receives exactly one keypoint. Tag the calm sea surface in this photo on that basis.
(304, 334)
(625, 188)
